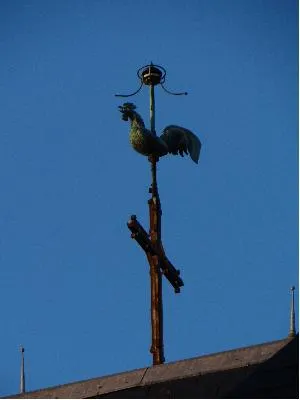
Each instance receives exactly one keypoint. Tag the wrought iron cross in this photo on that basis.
(152, 75)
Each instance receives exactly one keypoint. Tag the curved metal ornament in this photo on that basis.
(152, 75)
(132, 94)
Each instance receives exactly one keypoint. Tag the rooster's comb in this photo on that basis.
(128, 106)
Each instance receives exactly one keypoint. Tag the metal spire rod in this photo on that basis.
(22, 376)
(292, 332)
(152, 109)
(152, 75)
(157, 347)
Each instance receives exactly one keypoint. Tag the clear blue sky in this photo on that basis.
(74, 288)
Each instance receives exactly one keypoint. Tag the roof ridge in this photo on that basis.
(285, 340)
(146, 370)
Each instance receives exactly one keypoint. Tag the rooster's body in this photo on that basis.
(174, 139)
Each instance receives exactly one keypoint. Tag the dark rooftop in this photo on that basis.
(268, 370)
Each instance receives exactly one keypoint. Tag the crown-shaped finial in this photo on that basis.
(152, 75)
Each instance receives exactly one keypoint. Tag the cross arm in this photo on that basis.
(140, 235)
(171, 273)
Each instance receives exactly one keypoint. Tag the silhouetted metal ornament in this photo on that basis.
(22, 377)
(292, 331)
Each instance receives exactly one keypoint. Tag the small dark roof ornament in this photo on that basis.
(22, 376)
(292, 332)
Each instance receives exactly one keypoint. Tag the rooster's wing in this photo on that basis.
(181, 140)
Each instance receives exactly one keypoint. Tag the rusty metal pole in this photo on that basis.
(157, 347)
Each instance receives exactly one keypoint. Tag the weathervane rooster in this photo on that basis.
(174, 139)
